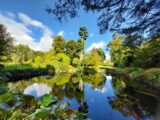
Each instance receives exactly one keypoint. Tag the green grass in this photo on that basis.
(12, 67)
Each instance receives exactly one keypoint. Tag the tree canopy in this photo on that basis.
(22, 54)
(83, 32)
(131, 17)
(59, 44)
(6, 42)
(145, 55)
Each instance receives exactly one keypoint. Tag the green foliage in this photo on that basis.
(6, 97)
(22, 54)
(116, 49)
(126, 53)
(83, 32)
(6, 43)
(93, 58)
(71, 48)
(50, 69)
(148, 54)
(80, 45)
(59, 44)
(61, 57)
(101, 53)
(107, 63)
(45, 107)
(46, 100)
(152, 74)
(76, 62)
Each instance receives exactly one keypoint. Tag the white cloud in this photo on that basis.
(91, 35)
(61, 33)
(21, 31)
(100, 44)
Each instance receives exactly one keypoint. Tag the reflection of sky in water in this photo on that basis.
(37, 90)
(96, 98)
(99, 108)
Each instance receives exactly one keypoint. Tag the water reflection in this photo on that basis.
(131, 102)
(98, 96)
(37, 90)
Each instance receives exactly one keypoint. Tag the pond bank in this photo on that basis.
(150, 77)
(24, 72)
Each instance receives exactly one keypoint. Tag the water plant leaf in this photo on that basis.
(46, 100)
(16, 115)
(6, 97)
(42, 114)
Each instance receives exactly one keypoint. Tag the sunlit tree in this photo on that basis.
(71, 49)
(59, 44)
(22, 54)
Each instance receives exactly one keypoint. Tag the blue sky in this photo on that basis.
(30, 24)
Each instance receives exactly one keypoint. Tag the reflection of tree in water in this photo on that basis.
(96, 80)
(67, 85)
(130, 102)
(83, 109)
(19, 86)
(58, 92)
(69, 90)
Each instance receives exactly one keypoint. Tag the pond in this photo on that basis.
(100, 96)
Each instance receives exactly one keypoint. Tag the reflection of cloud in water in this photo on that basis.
(108, 77)
(103, 90)
(37, 90)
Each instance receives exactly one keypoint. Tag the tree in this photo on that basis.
(61, 57)
(83, 34)
(71, 49)
(22, 54)
(100, 53)
(148, 54)
(6, 42)
(93, 58)
(117, 50)
(131, 17)
(59, 44)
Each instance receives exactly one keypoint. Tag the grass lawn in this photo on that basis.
(12, 67)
